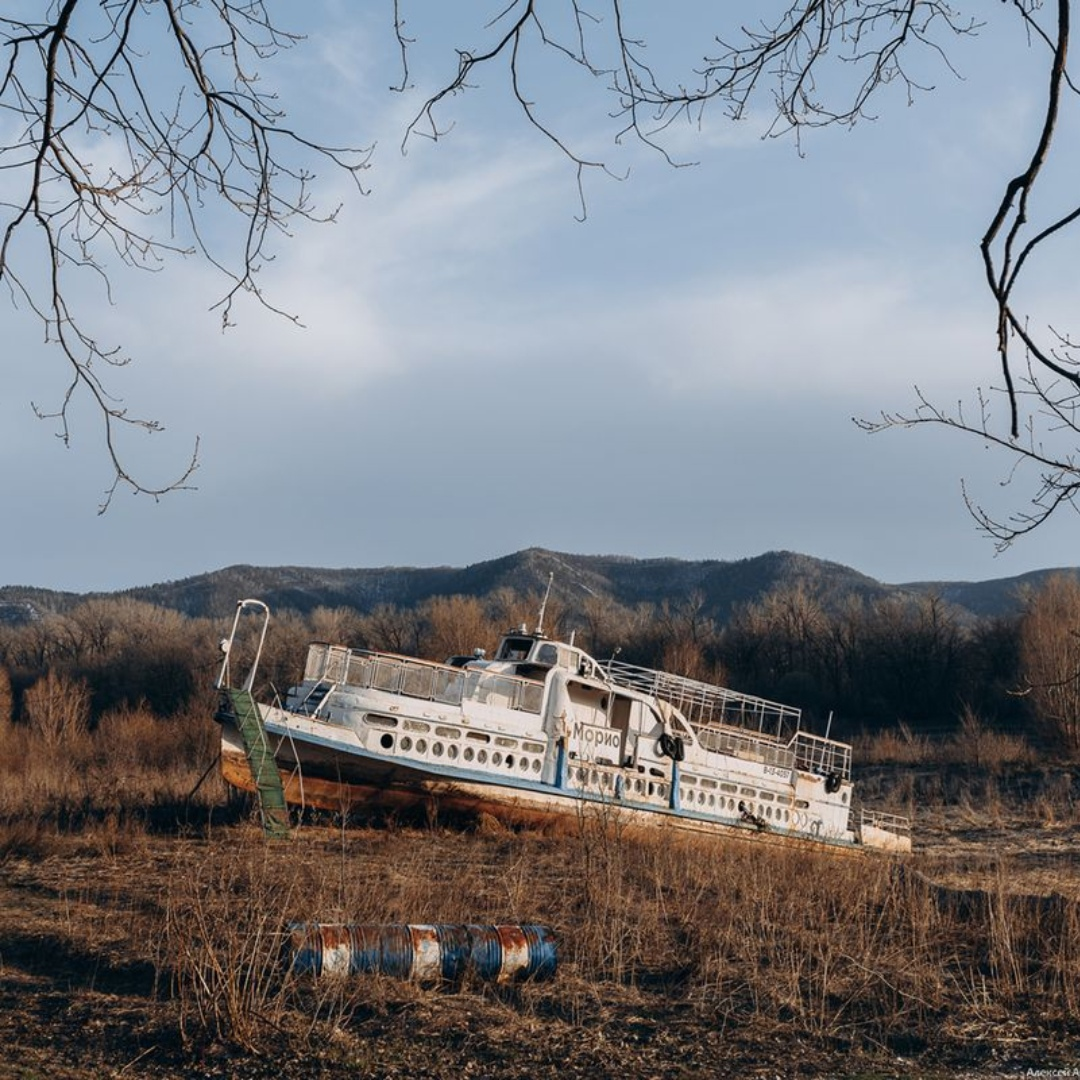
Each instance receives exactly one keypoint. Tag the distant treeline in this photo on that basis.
(873, 664)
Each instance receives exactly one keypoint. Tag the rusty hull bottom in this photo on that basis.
(349, 797)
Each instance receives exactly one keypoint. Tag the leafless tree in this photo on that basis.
(1050, 658)
(126, 127)
(826, 62)
(203, 134)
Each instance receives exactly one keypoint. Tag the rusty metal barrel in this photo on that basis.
(425, 953)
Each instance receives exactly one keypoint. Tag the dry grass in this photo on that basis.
(974, 744)
(677, 956)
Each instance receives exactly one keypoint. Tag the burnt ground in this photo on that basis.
(86, 988)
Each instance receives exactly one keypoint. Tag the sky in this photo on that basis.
(479, 371)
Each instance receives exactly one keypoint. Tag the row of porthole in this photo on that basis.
(688, 799)
(604, 779)
(407, 745)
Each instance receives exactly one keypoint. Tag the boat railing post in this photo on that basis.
(224, 676)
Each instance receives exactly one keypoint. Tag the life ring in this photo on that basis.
(832, 783)
(672, 746)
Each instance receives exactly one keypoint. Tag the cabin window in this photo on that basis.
(501, 740)
(448, 732)
(514, 648)
(416, 725)
(766, 795)
(547, 654)
(375, 720)
(479, 736)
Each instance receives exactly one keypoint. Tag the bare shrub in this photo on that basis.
(893, 746)
(977, 744)
(57, 707)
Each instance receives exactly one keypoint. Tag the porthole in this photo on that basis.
(509, 761)
(437, 749)
(421, 746)
(496, 758)
(452, 752)
(481, 757)
(523, 764)
(406, 743)
(387, 741)
(536, 765)
(467, 753)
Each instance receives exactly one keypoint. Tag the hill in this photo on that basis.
(723, 585)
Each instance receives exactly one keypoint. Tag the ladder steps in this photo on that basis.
(264, 771)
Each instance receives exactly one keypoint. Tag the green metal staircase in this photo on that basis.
(264, 771)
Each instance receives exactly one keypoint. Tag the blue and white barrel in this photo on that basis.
(426, 953)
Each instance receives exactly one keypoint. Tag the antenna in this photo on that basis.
(543, 606)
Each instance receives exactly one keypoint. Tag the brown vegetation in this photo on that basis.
(142, 914)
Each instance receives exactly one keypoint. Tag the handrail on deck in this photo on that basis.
(424, 679)
(705, 703)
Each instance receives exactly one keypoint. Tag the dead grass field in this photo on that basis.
(140, 937)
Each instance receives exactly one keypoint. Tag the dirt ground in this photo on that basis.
(81, 995)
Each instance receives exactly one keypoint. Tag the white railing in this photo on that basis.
(705, 704)
(746, 745)
(816, 754)
(894, 823)
(420, 678)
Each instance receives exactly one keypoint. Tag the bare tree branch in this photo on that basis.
(168, 92)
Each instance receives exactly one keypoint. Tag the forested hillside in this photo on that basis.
(723, 586)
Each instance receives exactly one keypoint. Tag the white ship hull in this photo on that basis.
(544, 735)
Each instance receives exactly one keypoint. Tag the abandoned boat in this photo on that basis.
(540, 732)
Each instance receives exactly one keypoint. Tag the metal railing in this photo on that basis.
(746, 745)
(704, 704)
(816, 754)
(421, 679)
(894, 823)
